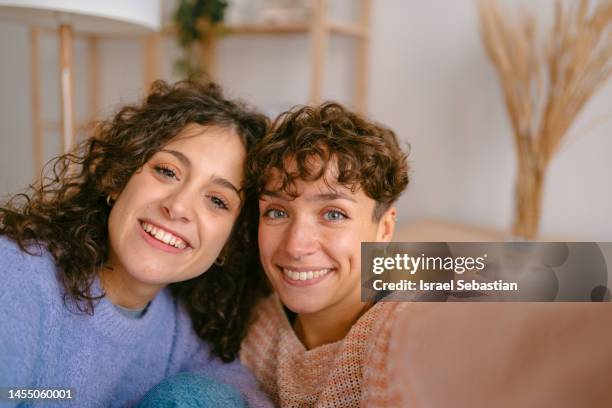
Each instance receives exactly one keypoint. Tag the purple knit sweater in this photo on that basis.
(108, 359)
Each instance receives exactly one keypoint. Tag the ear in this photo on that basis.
(386, 225)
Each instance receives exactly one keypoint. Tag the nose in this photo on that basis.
(178, 205)
(300, 239)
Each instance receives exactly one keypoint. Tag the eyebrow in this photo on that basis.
(225, 183)
(220, 181)
(180, 156)
(316, 197)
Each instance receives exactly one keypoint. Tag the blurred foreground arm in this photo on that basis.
(503, 355)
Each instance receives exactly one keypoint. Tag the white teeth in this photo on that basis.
(304, 276)
(163, 236)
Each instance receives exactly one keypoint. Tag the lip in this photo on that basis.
(185, 240)
(300, 283)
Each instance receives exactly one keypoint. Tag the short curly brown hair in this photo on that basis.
(68, 212)
(305, 140)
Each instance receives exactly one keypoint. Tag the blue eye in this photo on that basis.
(165, 171)
(275, 214)
(334, 215)
(219, 203)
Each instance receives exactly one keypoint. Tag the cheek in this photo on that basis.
(267, 239)
(215, 233)
(138, 193)
(344, 242)
(117, 222)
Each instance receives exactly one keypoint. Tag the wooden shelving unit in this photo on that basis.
(319, 29)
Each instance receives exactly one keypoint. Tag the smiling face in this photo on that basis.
(176, 213)
(310, 246)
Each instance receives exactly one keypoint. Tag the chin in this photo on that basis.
(302, 306)
(151, 276)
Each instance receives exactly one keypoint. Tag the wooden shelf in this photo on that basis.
(318, 29)
(269, 29)
(352, 30)
(251, 29)
(335, 27)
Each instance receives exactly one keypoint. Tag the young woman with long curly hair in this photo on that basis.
(140, 226)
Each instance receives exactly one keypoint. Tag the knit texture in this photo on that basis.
(348, 373)
(108, 359)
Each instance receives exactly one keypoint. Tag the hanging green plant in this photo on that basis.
(196, 20)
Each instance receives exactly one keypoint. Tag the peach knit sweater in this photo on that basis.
(351, 372)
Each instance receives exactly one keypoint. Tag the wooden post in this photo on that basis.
(362, 58)
(151, 70)
(319, 37)
(208, 55)
(67, 87)
(93, 57)
(37, 134)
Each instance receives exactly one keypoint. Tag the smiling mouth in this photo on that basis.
(163, 236)
(305, 275)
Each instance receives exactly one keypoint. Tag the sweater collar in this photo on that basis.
(111, 323)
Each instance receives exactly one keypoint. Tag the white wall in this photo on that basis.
(430, 81)
(15, 129)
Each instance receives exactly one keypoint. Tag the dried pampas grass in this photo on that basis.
(547, 78)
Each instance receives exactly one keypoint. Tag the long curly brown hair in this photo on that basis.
(67, 211)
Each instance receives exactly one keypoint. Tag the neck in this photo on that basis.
(123, 290)
(327, 326)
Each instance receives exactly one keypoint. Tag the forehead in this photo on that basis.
(201, 142)
(195, 130)
(209, 151)
(326, 188)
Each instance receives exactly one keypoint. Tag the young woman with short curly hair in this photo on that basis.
(327, 180)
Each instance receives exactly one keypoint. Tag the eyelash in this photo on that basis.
(219, 202)
(167, 172)
(336, 211)
(268, 212)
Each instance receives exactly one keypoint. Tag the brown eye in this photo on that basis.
(165, 171)
(219, 203)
